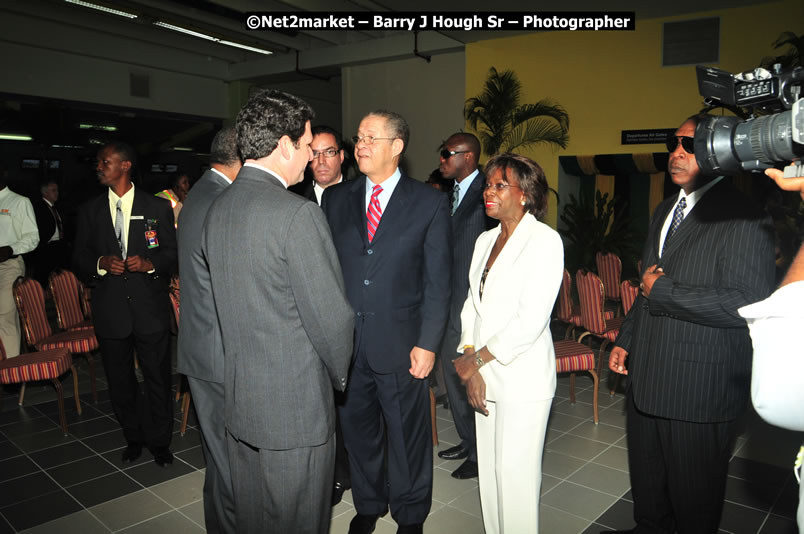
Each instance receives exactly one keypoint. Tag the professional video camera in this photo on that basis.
(774, 132)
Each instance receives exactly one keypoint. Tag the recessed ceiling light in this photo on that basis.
(101, 127)
(15, 137)
(210, 38)
(102, 8)
(182, 149)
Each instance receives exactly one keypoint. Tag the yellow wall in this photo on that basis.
(613, 81)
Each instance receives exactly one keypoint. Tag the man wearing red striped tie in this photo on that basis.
(392, 235)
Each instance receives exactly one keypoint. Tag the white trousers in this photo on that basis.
(510, 443)
(9, 321)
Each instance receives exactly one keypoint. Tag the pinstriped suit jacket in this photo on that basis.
(468, 222)
(689, 350)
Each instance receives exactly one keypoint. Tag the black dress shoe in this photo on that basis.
(132, 452)
(617, 531)
(415, 528)
(363, 524)
(162, 456)
(458, 452)
(337, 492)
(468, 469)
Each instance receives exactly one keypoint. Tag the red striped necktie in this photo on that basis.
(374, 213)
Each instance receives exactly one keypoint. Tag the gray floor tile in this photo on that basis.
(16, 467)
(600, 432)
(41, 440)
(601, 478)
(81, 521)
(195, 512)
(578, 501)
(562, 422)
(555, 521)
(582, 448)
(181, 491)
(61, 454)
(469, 503)
(130, 509)
(619, 516)
(172, 522)
(150, 474)
(449, 520)
(560, 465)
(80, 471)
(614, 457)
(40, 509)
(446, 489)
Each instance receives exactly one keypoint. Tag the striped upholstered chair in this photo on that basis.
(31, 306)
(44, 365)
(629, 291)
(590, 292)
(610, 268)
(565, 311)
(67, 294)
(175, 302)
(573, 357)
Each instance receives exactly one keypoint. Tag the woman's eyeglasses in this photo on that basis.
(499, 186)
(687, 143)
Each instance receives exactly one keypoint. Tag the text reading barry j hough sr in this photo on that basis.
(543, 21)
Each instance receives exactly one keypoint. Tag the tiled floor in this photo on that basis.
(55, 483)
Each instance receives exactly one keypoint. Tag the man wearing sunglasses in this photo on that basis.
(686, 349)
(326, 163)
(458, 162)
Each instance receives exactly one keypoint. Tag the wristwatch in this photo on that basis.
(480, 361)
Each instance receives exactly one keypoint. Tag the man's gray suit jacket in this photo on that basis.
(286, 324)
(689, 350)
(200, 348)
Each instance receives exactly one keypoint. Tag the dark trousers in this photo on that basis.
(146, 417)
(282, 491)
(219, 509)
(388, 414)
(462, 412)
(678, 472)
(341, 457)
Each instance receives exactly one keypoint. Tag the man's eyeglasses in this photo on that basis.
(328, 153)
(446, 154)
(499, 186)
(687, 143)
(369, 139)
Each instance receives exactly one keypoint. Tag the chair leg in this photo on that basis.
(433, 417)
(596, 379)
(91, 362)
(62, 417)
(185, 408)
(616, 383)
(600, 355)
(22, 394)
(572, 388)
(75, 390)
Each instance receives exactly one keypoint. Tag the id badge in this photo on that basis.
(151, 238)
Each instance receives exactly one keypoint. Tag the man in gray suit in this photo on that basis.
(200, 350)
(458, 161)
(286, 325)
(709, 252)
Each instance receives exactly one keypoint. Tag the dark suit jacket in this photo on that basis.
(689, 350)
(131, 301)
(468, 222)
(200, 348)
(44, 221)
(287, 327)
(398, 285)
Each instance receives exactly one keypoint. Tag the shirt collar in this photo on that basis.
(126, 196)
(466, 183)
(219, 173)
(388, 185)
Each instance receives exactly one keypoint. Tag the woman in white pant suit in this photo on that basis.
(508, 363)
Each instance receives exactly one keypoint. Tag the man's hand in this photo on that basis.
(617, 360)
(138, 264)
(649, 278)
(476, 393)
(788, 184)
(421, 362)
(112, 264)
(5, 253)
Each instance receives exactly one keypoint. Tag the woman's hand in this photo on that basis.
(466, 366)
(476, 392)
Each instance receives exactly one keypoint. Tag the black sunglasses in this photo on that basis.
(446, 154)
(687, 143)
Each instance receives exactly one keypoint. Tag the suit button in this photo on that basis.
(366, 282)
(125, 278)
(370, 251)
(128, 298)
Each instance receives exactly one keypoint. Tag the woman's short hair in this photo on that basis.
(529, 176)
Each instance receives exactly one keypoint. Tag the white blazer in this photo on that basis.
(513, 319)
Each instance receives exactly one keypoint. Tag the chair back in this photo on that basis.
(564, 299)
(610, 268)
(629, 291)
(66, 291)
(2, 351)
(590, 292)
(30, 299)
(175, 301)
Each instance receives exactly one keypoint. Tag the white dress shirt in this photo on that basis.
(125, 207)
(388, 187)
(465, 184)
(18, 228)
(692, 199)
